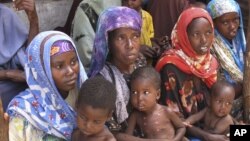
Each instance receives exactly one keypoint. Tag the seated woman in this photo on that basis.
(116, 48)
(229, 46)
(189, 70)
(54, 75)
(14, 38)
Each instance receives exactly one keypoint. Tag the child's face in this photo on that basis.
(90, 121)
(65, 69)
(144, 94)
(134, 4)
(200, 35)
(221, 104)
(228, 24)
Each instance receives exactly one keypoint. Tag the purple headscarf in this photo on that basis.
(60, 47)
(109, 20)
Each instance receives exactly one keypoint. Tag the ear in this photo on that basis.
(110, 114)
(158, 95)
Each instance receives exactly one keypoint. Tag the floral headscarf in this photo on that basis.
(183, 56)
(230, 55)
(42, 104)
(111, 19)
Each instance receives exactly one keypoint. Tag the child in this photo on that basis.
(155, 121)
(216, 116)
(147, 31)
(94, 107)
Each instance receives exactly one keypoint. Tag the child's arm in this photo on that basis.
(131, 123)
(179, 126)
(195, 117)
(223, 126)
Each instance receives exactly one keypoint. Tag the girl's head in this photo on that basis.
(95, 104)
(64, 66)
(226, 16)
(193, 33)
(52, 55)
(118, 34)
(134, 4)
(145, 88)
(222, 97)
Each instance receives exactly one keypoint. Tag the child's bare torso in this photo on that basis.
(156, 125)
(105, 135)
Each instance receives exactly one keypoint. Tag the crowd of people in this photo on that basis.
(130, 70)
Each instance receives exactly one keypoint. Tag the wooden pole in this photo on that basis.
(246, 82)
(4, 125)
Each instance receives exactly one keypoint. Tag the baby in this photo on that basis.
(216, 117)
(155, 121)
(94, 107)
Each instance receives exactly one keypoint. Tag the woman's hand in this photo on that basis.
(15, 75)
(28, 6)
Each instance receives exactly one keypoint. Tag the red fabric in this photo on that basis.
(207, 68)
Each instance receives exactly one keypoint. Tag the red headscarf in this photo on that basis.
(183, 56)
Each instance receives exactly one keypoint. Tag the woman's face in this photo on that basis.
(227, 24)
(124, 45)
(200, 35)
(65, 69)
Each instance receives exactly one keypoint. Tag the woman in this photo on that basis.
(54, 75)
(14, 38)
(229, 46)
(189, 70)
(116, 48)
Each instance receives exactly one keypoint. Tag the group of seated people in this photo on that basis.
(192, 92)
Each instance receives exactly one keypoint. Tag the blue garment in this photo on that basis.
(237, 48)
(13, 35)
(42, 104)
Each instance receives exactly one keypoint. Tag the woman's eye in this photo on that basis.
(97, 122)
(225, 23)
(58, 66)
(196, 34)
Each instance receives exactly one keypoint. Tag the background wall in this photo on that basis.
(51, 13)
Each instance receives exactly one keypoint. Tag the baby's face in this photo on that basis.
(90, 121)
(221, 103)
(144, 94)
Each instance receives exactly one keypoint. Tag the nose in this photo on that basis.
(129, 43)
(87, 125)
(203, 39)
(69, 70)
(232, 25)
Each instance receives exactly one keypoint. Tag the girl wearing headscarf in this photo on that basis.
(116, 48)
(229, 45)
(13, 40)
(54, 74)
(188, 69)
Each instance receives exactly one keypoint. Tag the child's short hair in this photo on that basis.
(220, 84)
(147, 73)
(98, 93)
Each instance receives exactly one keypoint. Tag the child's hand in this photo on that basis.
(187, 124)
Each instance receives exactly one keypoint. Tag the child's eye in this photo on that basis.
(228, 103)
(73, 62)
(83, 117)
(146, 93)
(134, 92)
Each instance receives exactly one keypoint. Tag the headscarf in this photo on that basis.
(42, 104)
(13, 34)
(230, 55)
(183, 55)
(111, 19)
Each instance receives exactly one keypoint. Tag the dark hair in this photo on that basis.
(98, 93)
(147, 73)
(220, 84)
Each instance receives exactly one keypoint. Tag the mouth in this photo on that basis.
(71, 81)
(204, 49)
(233, 33)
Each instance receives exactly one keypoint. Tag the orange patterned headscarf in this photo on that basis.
(183, 55)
